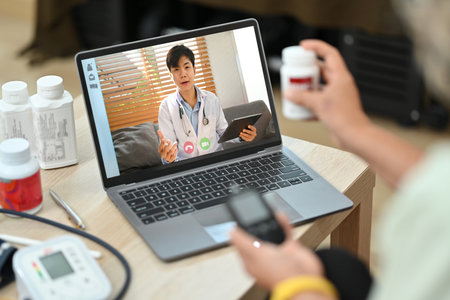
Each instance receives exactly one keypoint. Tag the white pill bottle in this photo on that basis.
(299, 70)
(15, 113)
(54, 123)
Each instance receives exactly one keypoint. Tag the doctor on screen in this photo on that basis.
(191, 120)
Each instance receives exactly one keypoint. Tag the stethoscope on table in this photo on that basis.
(205, 120)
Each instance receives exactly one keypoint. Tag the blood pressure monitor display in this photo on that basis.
(60, 268)
(56, 265)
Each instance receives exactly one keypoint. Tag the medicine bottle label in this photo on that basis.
(21, 194)
(19, 125)
(301, 83)
(291, 110)
(55, 137)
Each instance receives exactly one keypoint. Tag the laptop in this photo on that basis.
(178, 208)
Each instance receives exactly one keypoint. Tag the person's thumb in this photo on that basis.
(305, 98)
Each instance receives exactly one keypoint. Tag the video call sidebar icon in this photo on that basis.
(91, 77)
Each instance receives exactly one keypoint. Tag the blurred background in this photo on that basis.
(41, 37)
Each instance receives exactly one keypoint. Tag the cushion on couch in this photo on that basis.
(136, 146)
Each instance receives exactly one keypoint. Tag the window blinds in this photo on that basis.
(135, 82)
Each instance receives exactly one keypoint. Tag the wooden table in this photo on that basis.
(216, 274)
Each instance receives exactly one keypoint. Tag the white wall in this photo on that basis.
(225, 69)
(236, 67)
(250, 65)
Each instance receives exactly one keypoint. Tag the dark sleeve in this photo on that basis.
(349, 275)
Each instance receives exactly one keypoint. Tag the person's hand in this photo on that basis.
(270, 264)
(167, 150)
(338, 103)
(248, 134)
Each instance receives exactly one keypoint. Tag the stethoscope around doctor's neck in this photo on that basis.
(205, 120)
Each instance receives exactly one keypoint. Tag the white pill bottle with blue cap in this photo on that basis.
(299, 71)
(54, 123)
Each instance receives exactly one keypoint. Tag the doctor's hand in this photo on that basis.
(167, 150)
(270, 264)
(249, 134)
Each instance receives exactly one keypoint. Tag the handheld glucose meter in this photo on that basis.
(60, 268)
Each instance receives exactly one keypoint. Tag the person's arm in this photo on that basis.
(390, 157)
(338, 106)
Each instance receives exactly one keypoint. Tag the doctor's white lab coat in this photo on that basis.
(191, 144)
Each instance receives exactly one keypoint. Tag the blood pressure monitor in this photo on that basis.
(60, 268)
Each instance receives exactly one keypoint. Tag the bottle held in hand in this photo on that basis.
(300, 71)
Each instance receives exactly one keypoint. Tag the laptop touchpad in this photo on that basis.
(277, 203)
(217, 222)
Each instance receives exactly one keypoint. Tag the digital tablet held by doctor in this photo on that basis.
(238, 126)
(190, 119)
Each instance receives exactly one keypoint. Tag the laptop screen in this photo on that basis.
(162, 105)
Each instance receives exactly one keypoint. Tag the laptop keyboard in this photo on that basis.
(185, 194)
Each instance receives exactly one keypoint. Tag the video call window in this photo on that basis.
(132, 85)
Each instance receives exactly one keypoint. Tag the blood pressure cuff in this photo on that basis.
(6, 256)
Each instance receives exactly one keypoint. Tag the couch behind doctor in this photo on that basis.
(137, 146)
